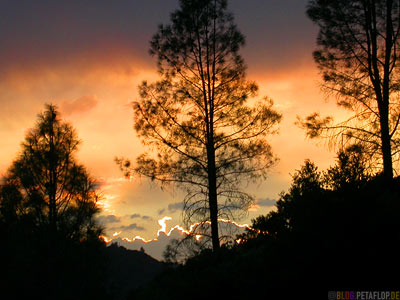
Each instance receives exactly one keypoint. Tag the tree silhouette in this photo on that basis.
(358, 58)
(207, 133)
(52, 247)
(47, 184)
(350, 170)
(302, 202)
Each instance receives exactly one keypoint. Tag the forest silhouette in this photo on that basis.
(335, 229)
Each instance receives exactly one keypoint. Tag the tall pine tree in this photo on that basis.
(208, 133)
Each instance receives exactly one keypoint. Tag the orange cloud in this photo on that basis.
(79, 105)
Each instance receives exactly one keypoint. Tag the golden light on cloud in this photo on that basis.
(163, 230)
(137, 238)
(254, 207)
(163, 225)
(115, 234)
(105, 239)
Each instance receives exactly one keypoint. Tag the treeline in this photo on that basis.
(331, 230)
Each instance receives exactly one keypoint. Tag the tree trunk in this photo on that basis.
(212, 197)
(386, 147)
(385, 101)
(52, 189)
(380, 80)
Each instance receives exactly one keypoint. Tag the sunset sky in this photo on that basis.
(88, 57)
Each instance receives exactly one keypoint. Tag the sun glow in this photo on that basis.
(105, 203)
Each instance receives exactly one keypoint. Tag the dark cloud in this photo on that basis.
(50, 33)
(132, 226)
(278, 33)
(175, 206)
(43, 31)
(108, 219)
(266, 202)
(136, 216)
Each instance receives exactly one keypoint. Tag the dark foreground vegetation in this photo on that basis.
(332, 230)
(50, 240)
(37, 267)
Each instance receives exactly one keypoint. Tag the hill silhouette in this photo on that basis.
(127, 269)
